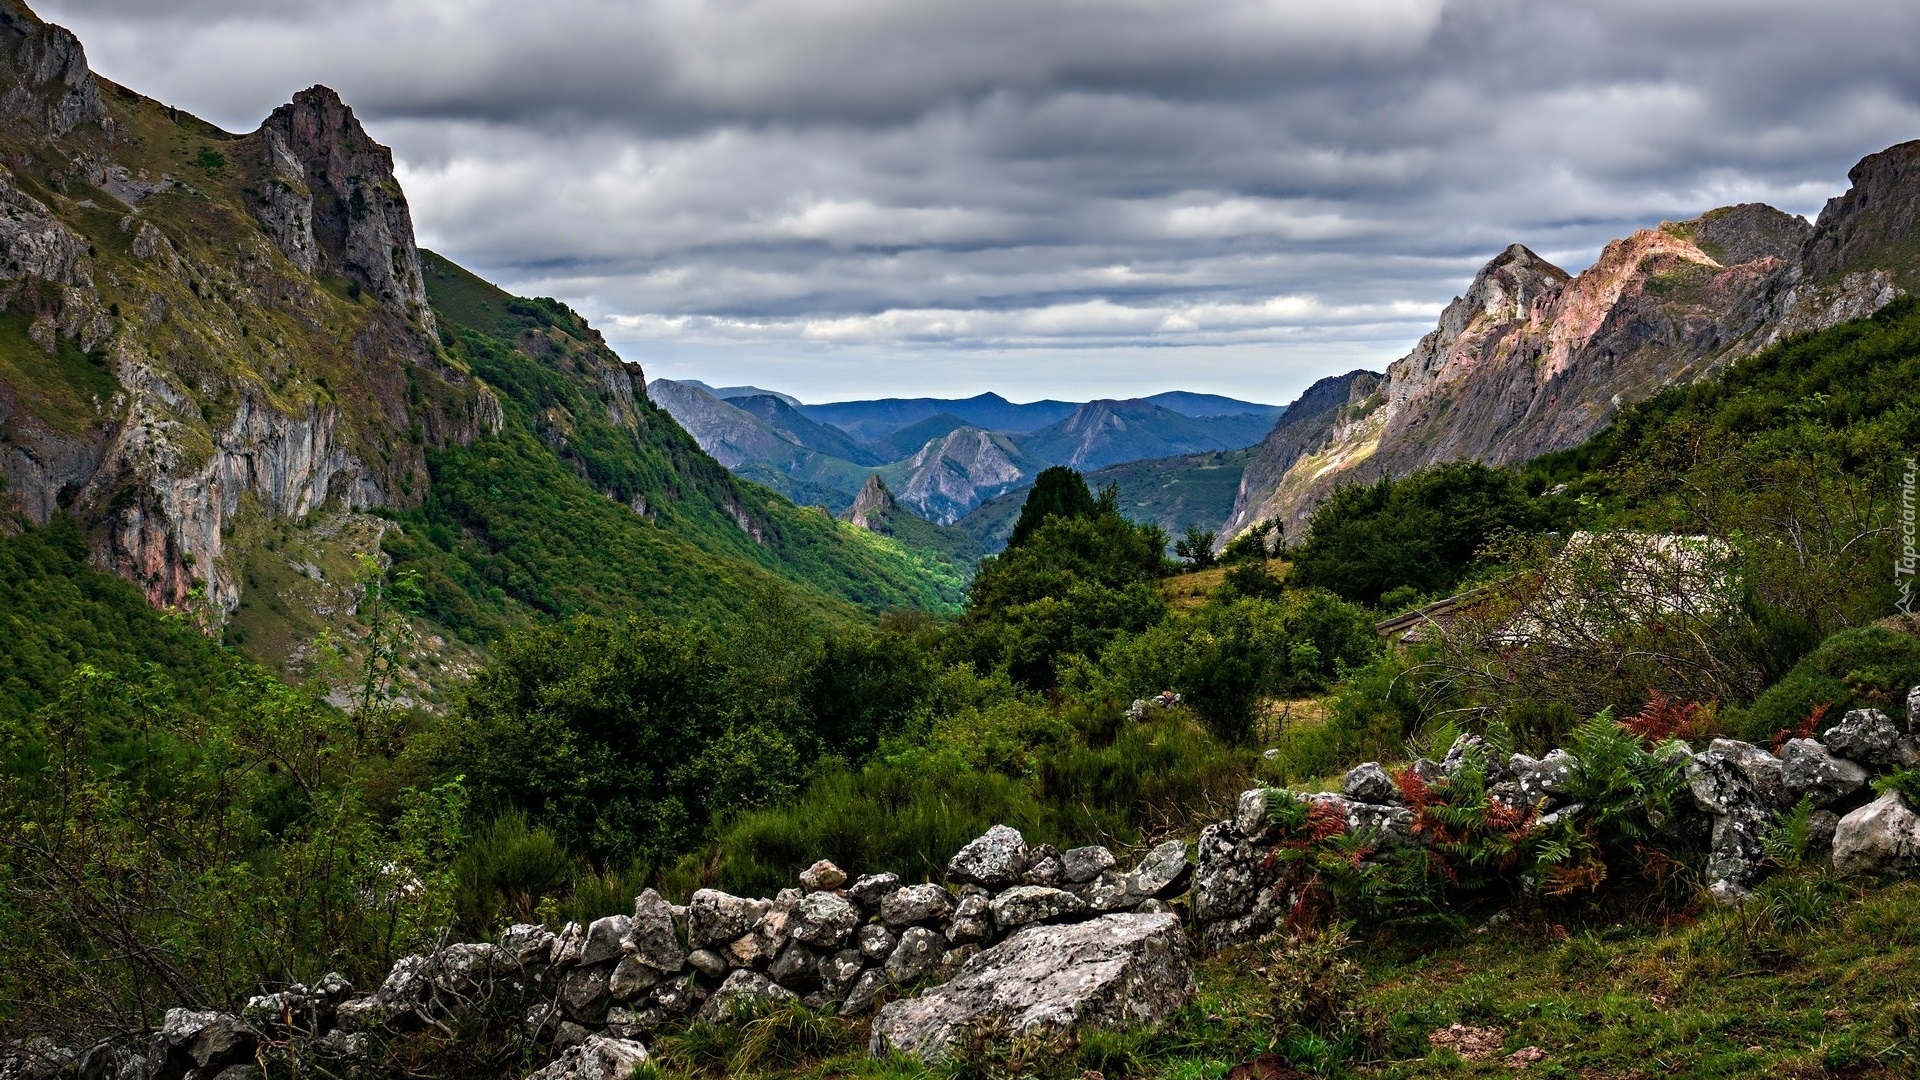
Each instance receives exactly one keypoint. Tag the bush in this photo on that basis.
(1871, 666)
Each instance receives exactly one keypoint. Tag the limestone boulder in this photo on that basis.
(995, 859)
(743, 988)
(1869, 737)
(1810, 770)
(915, 905)
(1082, 864)
(1024, 904)
(598, 1058)
(1163, 872)
(1882, 837)
(1115, 971)
(1369, 783)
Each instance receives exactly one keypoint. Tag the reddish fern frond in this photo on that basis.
(1806, 729)
(1663, 718)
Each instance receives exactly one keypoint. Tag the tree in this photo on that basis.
(1196, 547)
(1056, 492)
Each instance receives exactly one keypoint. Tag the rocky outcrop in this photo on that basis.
(1330, 413)
(45, 84)
(1530, 360)
(352, 218)
(872, 505)
(1115, 971)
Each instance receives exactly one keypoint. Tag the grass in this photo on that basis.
(1187, 592)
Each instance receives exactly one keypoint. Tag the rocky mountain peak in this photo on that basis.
(45, 84)
(874, 502)
(1748, 232)
(333, 205)
(1873, 225)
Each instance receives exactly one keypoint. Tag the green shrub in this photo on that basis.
(505, 872)
(1867, 666)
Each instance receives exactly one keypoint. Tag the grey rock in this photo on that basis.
(527, 943)
(651, 936)
(838, 971)
(598, 1058)
(293, 1011)
(1561, 770)
(954, 959)
(714, 917)
(1566, 813)
(362, 1016)
(748, 951)
(1882, 837)
(708, 963)
(583, 991)
(917, 954)
(676, 996)
(913, 905)
(865, 992)
(407, 982)
(1870, 738)
(625, 1023)
(823, 920)
(796, 968)
(1082, 864)
(335, 988)
(869, 890)
(1116, 971)
(1721, 779)
(211, 1040)
(604, 938)
(875, 942)
(1369, 783)
(1154, 907)
(972, 920)
(466, 968)
(1913, 710)
(1108, 893)
(1250, 812)
(1025, 904)
(1821, 827)
(1808, 769)
(1163, 872)
(1735, 854)
(743, 988)
(822, 875)
(995, 859)
(568, 945)
(1386, 825)
(1427, 770)
(1044, 871)
(1474, 746)
(632, 977)
(339, 1046)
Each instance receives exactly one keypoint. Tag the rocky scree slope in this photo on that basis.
(1532, 360)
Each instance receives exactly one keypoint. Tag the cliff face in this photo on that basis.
(1531, 360)
(873, 503)
(165, 367)
(960, 470)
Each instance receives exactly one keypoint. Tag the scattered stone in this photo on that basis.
(1387, 825)
(995, 859)
(1821, 827)
(1045, 871)
(972, 920)
(823, 920)
(1082, 864)
(1473, 746)
(625, 1023)
(875, 942)
(1913, 709)
(1882, 837)
(676, 995)
(822, 875)
(913, 905)
(1870, 738)
(743, 987)
(708, 963)
(747, 951)
(1116, 971)
(1025, 904)
(1808, 769)
(211, 1040)
(1525, 1056)
(1164, 872)
(598, 1058)
(714, 917)
(917, 954)
(651, 936)
(361, 1016)
(1108, 893)
(869, 889)
(1471, 1043)
(1250, 813)
(1369, 783)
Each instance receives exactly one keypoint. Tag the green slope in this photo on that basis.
(591, 501)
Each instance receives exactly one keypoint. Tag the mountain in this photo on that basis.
(1102, 433)
(910, 439)
(749, 443)
(775, 413)
(1532, 360)
(960, 470)
(730, 393)
(872, 420)
(1193, 489)
(225, 361)
(1204, 405)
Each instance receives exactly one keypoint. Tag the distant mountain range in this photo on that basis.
(942, 457)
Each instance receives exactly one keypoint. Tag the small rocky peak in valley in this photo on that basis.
(872, 504)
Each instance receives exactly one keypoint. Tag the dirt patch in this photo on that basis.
(1265, 1067)
(1471, 1043)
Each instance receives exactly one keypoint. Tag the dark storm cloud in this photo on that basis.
(1045, 196)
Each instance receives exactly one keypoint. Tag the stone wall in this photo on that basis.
(998, 942)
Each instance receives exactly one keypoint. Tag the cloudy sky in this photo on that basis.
(1067, 198)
